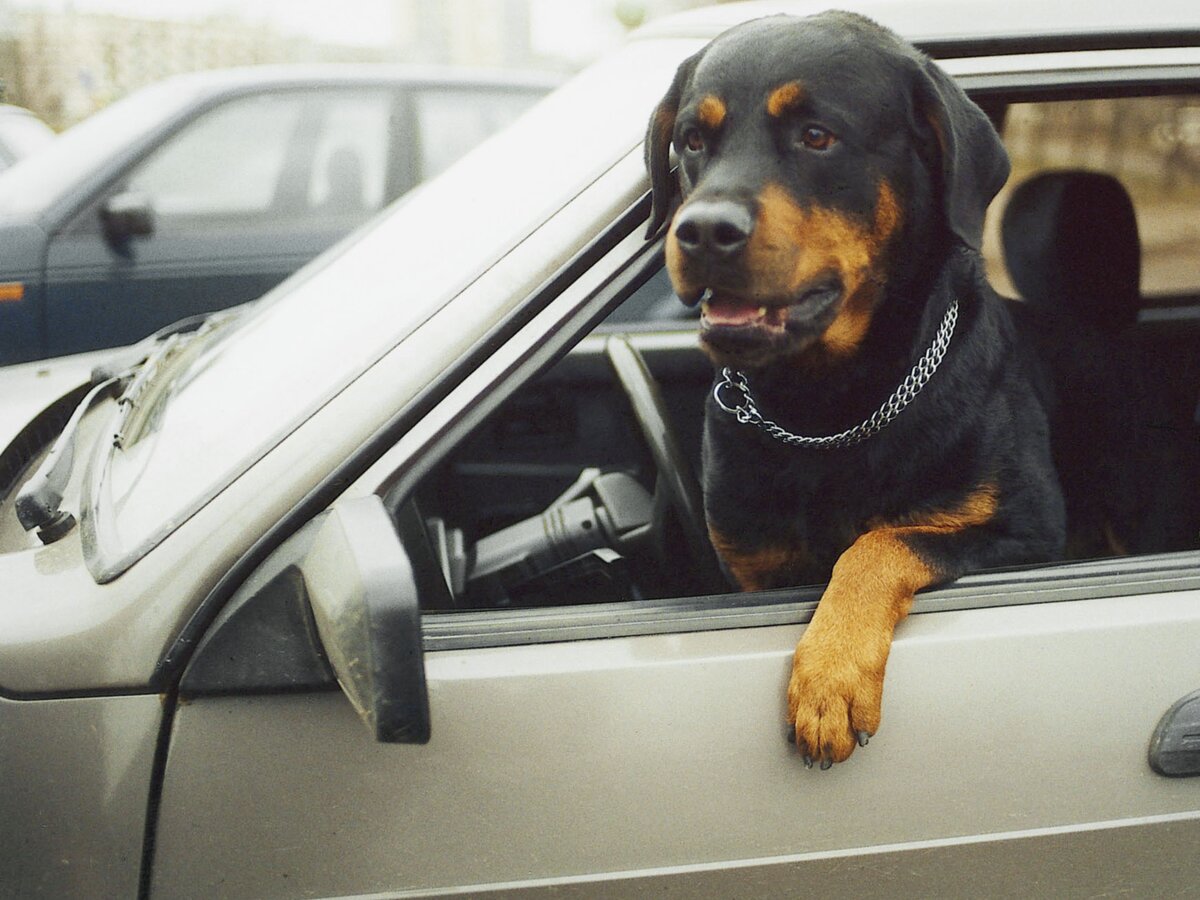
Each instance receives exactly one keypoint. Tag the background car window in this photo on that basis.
(265, 156)
(451, 122)
(1150, 144)
(226, 162)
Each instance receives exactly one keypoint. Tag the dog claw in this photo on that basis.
(826, 764)
(808, 761)
(863, 738)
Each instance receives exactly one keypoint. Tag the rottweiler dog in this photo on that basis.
(876, 419)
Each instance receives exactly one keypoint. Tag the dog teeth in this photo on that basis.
(762, 311)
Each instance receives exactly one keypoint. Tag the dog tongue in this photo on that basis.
(731, 311)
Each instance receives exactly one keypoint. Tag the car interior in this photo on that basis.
(581, 488)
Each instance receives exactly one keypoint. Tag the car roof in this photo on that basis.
(88, 154)
(946, 28)
(296, 75)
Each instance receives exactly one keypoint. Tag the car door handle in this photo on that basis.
(1175, 744)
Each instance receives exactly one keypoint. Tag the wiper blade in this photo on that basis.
(129, 398)
(133, 355)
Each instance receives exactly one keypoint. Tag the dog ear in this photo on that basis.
(974, 164)
(658, 145)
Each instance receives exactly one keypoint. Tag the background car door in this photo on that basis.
(240, 197)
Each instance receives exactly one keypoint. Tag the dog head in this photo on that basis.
(813, 154)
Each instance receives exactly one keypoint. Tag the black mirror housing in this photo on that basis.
(127, 215)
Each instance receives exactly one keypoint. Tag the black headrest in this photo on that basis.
(1071, 240)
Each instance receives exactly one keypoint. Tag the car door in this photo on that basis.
(619, 748)
(224, 208)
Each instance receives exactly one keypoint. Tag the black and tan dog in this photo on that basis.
(876, 419)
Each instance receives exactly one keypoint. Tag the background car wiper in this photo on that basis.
(122, 376)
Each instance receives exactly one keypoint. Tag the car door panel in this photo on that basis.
(664, 756)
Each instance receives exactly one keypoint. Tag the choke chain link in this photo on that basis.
(746, 411)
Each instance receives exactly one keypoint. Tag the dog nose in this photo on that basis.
(715, 228)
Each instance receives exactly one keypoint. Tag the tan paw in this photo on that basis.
(833, 704)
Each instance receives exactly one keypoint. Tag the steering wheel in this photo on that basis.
(675, 476)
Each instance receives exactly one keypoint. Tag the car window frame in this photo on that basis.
(390, 463)
(463, 409)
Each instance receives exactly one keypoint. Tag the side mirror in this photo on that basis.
(363, 593)
(127, 215)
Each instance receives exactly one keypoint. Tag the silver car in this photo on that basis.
(389, 584)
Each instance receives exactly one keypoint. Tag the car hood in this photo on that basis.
(28, 388)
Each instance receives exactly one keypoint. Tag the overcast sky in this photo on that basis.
(339, 21)
(570, 27)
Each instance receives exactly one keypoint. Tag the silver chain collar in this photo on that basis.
(747, 412)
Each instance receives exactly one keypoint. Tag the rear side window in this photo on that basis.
(451, 122)
(1150, 144)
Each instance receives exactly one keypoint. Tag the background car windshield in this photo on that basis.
(258, 380)
(42, 177)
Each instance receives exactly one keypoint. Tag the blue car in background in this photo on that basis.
(205, 190)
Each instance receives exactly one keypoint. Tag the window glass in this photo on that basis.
(1150, 144)
(227, 162)
(451, 122)
(289, 153)
(262, 376)
(349, 168)
(61, 163)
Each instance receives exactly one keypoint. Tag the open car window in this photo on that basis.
(556, 501)
(1150, 145)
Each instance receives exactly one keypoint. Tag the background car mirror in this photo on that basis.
(127, 215)
(363, 592)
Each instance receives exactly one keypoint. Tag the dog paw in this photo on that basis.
(833, 704)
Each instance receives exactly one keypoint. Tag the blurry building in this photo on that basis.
(65, 65)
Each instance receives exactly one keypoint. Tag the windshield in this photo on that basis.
(243, 388)
(37, 181)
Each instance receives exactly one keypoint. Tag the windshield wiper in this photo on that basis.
(132, 356)
(123, 376)
(38, 502)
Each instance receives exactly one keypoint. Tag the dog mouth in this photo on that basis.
(742, 330)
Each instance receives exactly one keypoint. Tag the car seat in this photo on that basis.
(1072, 249)
(1071, 239)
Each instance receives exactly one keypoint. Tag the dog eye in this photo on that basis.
(814, 137)
(693, 140)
